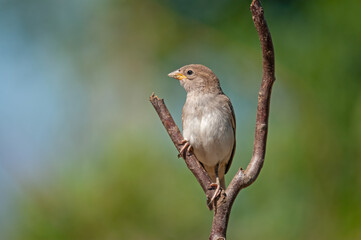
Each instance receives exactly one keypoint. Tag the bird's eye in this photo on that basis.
(189, 72)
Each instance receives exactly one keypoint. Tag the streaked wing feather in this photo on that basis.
(233, 121)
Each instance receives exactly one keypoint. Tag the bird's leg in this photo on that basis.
(185, 149)
(217, 185)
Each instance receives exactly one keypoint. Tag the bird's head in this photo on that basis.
(197, 78)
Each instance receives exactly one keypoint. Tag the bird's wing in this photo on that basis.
(233, 121)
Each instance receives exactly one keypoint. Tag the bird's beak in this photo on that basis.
(177, 75)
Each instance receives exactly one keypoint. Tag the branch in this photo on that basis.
(176, 136)
(247, 177)
(243, 178)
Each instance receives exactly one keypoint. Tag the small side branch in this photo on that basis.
(177, 138)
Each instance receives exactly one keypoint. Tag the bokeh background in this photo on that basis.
(83, 154)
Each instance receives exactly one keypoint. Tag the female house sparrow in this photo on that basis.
(208, 121)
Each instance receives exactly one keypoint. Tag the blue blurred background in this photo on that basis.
(83, 154)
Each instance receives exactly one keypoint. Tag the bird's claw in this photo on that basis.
(185, 149)
(217, 192)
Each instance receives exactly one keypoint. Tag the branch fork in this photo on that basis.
(243, 178)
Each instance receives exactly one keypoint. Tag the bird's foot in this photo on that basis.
(217, 192)
(185, 149)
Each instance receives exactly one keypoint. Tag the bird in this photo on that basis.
(208, 122)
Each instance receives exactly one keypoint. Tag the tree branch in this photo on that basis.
(247, 177)
(176, 136)
(243, 178)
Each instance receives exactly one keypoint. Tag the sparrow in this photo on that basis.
(208, 122)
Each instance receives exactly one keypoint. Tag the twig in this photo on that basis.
(243, 178)
(176, 136)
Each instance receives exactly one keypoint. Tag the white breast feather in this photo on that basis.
(209, 130)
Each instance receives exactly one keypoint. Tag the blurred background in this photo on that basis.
(83, 154)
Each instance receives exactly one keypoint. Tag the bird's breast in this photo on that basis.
(207, 126)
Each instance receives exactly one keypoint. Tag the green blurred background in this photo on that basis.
(83, 154)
